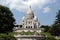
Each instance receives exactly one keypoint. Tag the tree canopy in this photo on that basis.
(55, 30)
(46, 28)
(6, 20)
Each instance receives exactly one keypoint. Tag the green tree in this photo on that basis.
(55, 30)
(6, 20)
(7, 37)
(46, 28)
(50, 38)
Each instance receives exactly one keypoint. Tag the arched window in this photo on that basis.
(31, 26)
(35, 25)
(20, 26)
(26, 26)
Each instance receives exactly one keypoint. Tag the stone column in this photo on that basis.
(32, 25)
(37, 26)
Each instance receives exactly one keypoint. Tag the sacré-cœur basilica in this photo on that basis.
(29, 23)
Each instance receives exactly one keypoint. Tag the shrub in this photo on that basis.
(7, 37)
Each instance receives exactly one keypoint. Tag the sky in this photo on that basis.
(45, 10)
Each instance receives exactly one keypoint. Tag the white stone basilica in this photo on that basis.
(29, 22)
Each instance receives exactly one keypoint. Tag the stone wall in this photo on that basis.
(30, 37)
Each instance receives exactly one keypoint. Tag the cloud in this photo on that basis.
(46, 10)
(23, 4)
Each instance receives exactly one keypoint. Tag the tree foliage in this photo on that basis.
(6, 20)
(55, 30)
(48, 36)
(7, 37)
(46, 28)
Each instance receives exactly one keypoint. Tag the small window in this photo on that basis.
(26, 26)
(31, 26)
(23, 20)
(23, 24)
(20, 26)
(29, 22)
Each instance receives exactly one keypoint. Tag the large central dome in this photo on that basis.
(30, 13)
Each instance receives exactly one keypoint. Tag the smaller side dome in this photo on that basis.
(35, 18)
(23, 18)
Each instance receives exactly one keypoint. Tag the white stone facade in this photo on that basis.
(30, 21)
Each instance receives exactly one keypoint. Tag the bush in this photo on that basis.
(48, 36)
(27, 33)
(7, 37)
